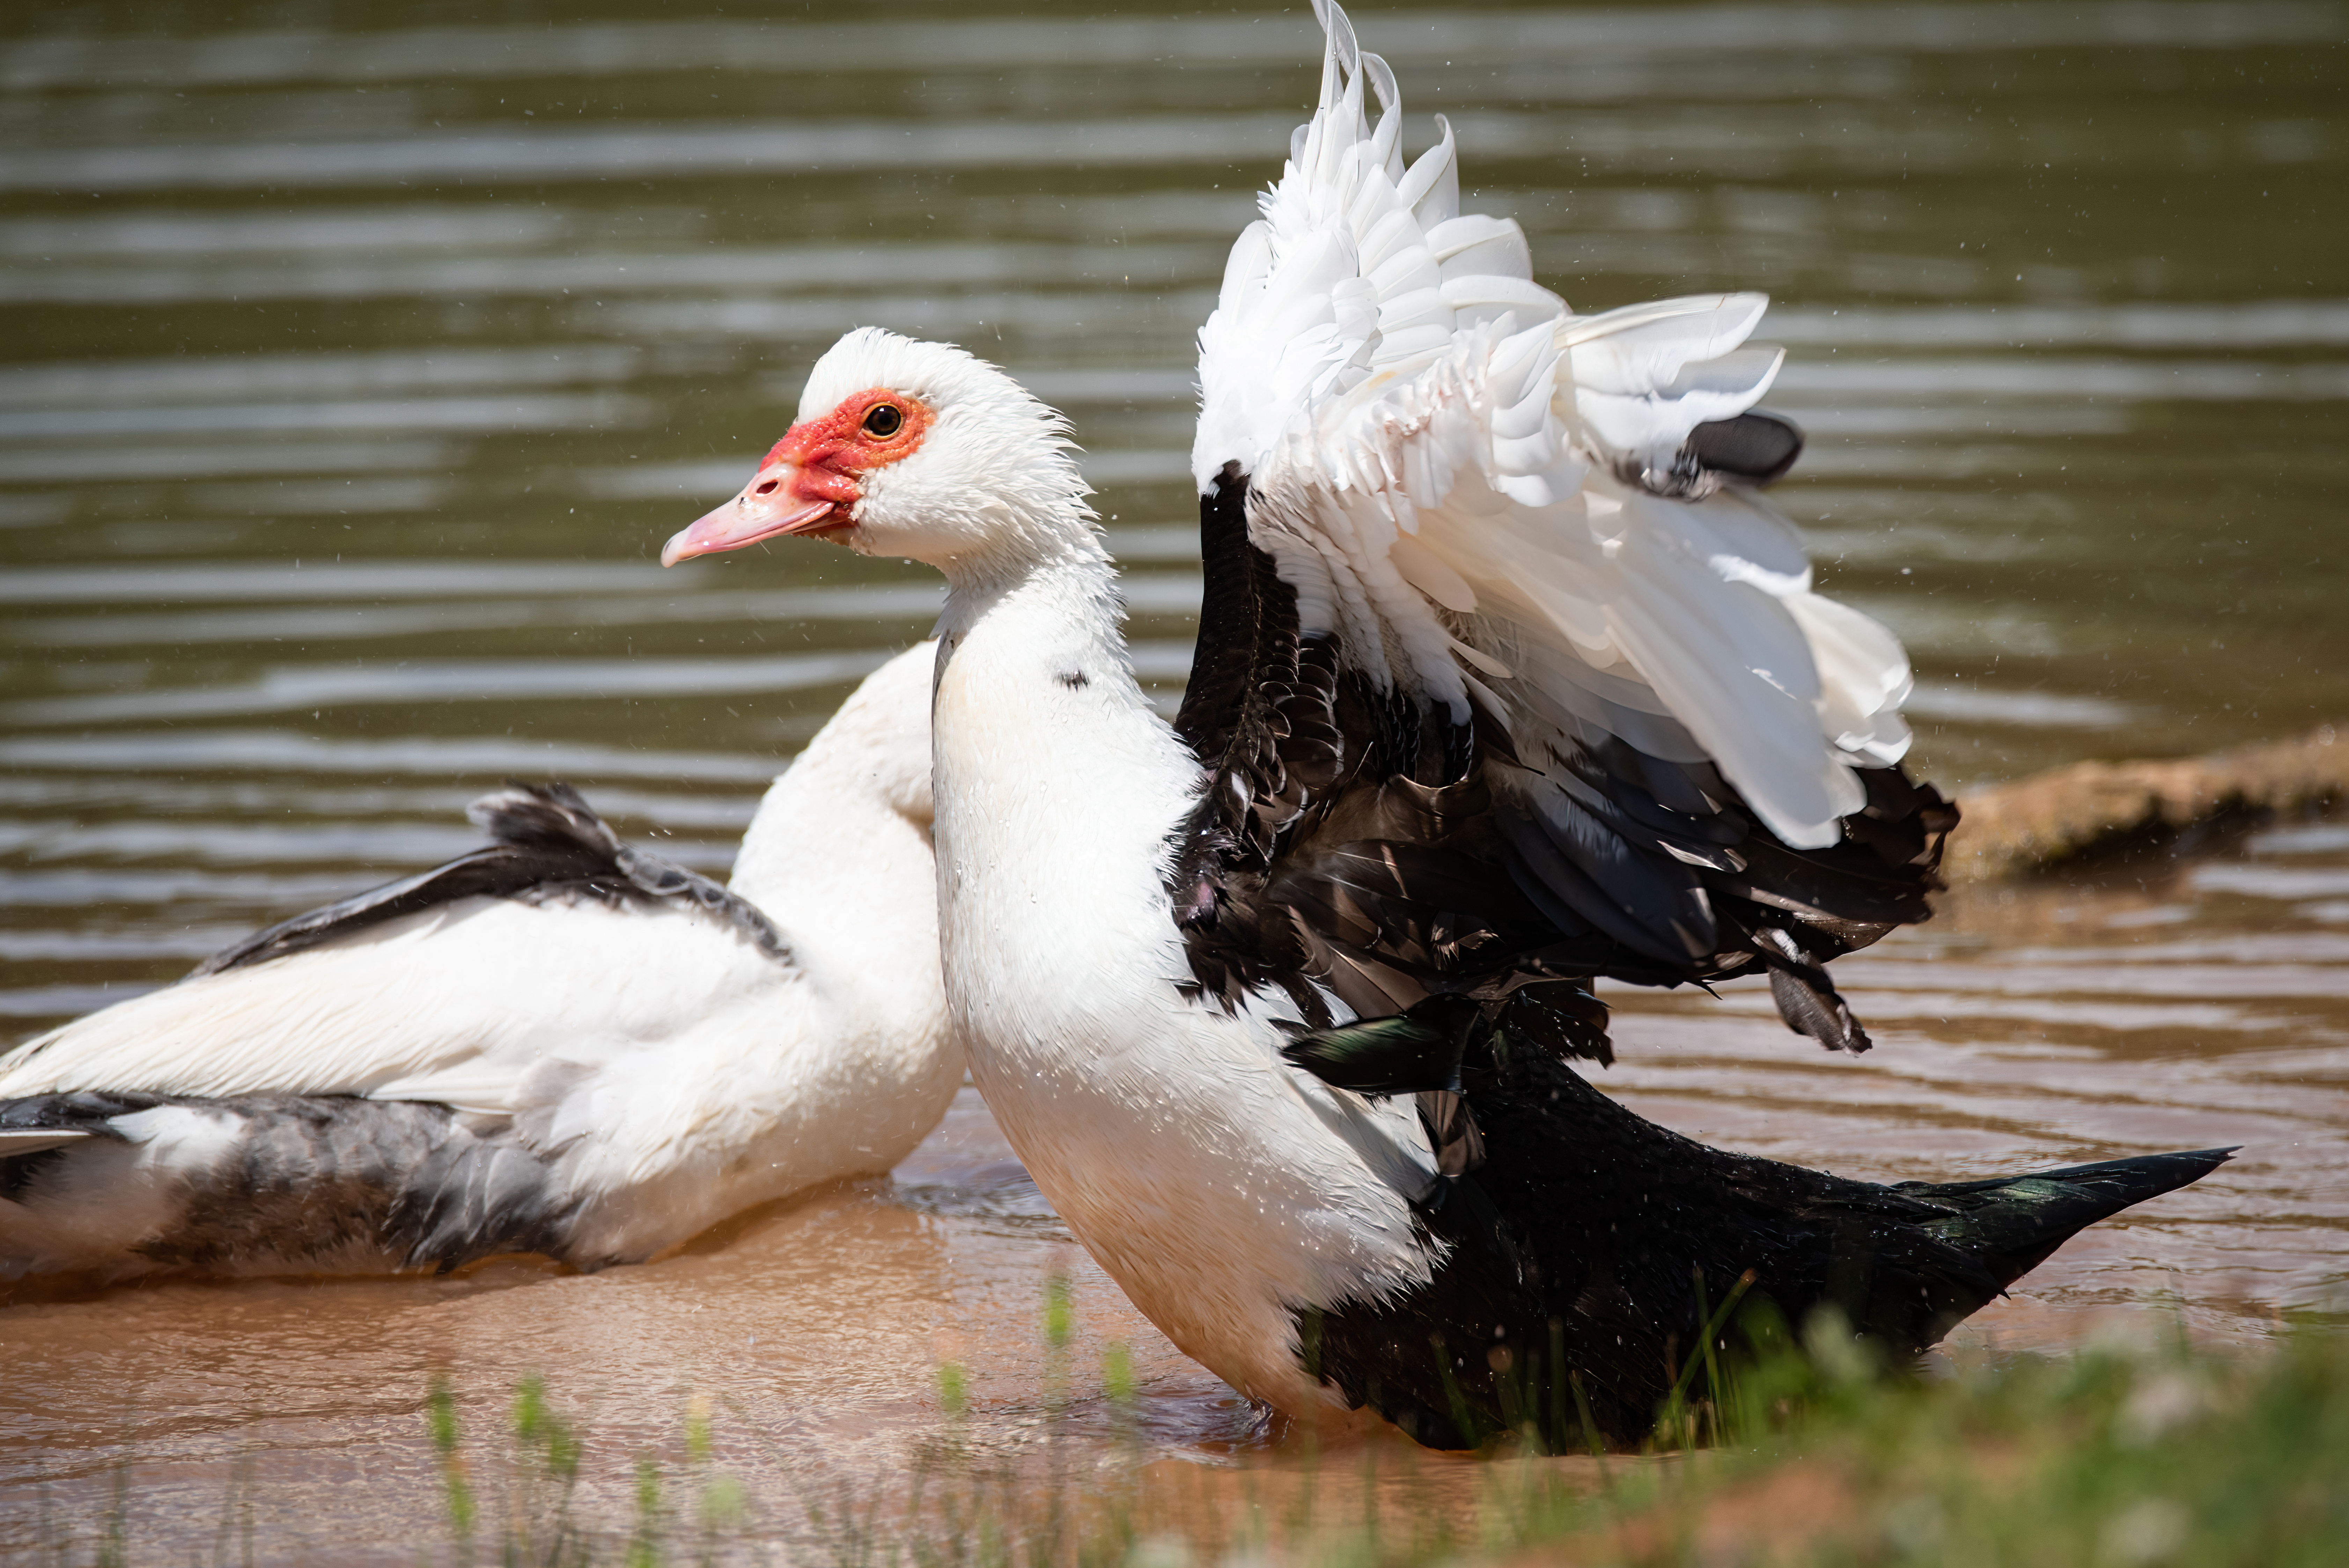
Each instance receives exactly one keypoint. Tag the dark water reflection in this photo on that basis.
(356, 360)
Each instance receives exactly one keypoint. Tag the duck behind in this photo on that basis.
(559, 1044)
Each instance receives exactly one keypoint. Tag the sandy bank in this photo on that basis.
(2092, 808)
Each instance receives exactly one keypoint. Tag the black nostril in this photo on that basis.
(767, 487)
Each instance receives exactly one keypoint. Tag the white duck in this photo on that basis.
(558, 1045)
(1499, 687)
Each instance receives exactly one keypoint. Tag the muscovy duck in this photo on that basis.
(559, 1044)
(1505, 680)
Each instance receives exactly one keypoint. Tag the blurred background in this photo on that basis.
(355, 360)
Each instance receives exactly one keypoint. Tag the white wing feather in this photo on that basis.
(460, 1005)
(1444, 460)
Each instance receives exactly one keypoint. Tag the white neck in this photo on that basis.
(838, 855)
(1217, 1187)
(1057, 782)
(1066, 552)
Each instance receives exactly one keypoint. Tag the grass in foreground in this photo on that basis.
(1811, 1456)
(2126, 1458)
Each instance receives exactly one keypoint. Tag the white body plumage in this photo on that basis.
(1461, 482)
(1220, 1187)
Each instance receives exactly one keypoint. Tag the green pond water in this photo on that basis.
(356, 360)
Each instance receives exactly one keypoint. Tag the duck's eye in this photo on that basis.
(883, 419)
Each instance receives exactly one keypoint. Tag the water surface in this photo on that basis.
(356, 360)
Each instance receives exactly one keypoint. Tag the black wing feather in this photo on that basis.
(1346, 845)
(1756, 446)
(550, 844)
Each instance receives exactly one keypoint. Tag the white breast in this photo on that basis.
(1217, 1186)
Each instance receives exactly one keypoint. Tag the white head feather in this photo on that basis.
(993, 473)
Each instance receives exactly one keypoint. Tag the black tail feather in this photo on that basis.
(71, 1117)
(550, 815)
(2011, 1223)
(1576, 1247)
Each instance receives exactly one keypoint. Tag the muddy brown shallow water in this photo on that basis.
(2176, 1005)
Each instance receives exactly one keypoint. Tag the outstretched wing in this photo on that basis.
(1506, 678)
(488, 983)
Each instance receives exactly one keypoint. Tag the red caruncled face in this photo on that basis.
(808, 485)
